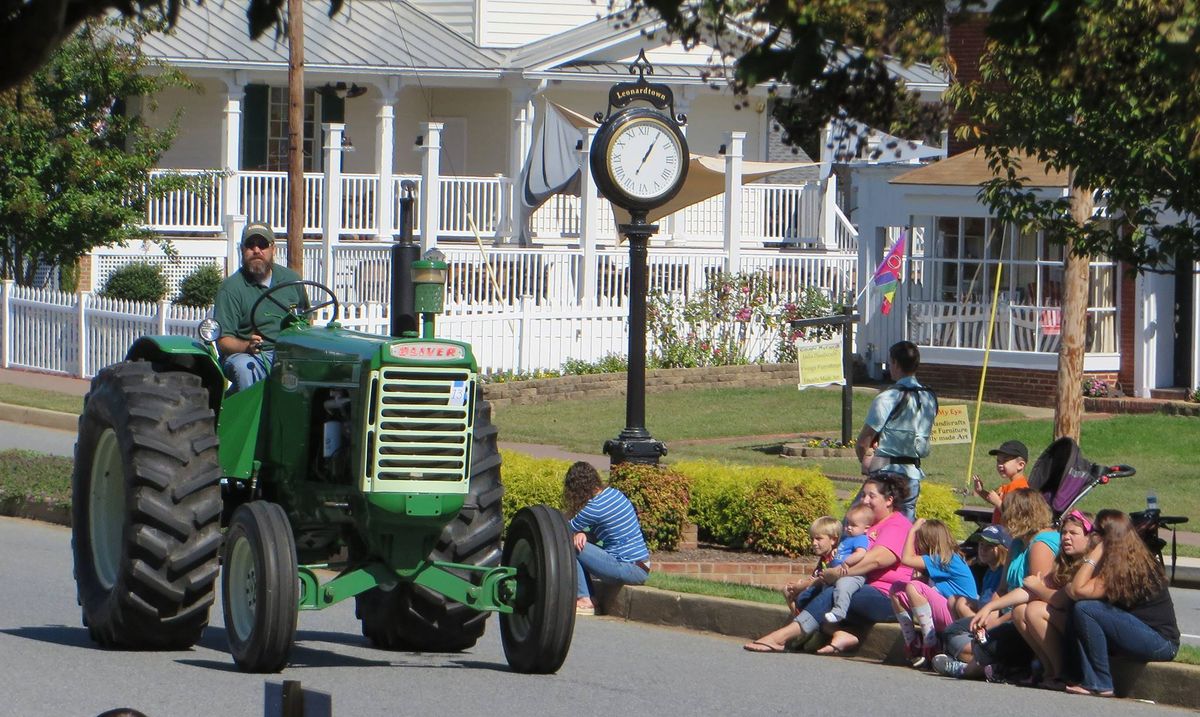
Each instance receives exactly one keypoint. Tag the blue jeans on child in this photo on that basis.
(594, 561)
(867, 606)
(1098, 628)
(245, 370)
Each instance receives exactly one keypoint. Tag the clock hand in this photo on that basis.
(646, 156)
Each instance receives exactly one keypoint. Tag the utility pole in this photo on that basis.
(1068, 396)
(295, 165)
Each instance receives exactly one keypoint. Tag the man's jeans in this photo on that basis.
(245, 370)
(1099, 629)
(592, 560)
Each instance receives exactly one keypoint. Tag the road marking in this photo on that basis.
(1194, 637)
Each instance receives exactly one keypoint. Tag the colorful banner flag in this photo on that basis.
(888, 276)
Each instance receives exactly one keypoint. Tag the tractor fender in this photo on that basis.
(183, 353)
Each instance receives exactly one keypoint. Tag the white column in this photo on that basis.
(521, 113)
(589, 224)
(385, 197)
(331, 198)
(231, 142)
(431, 194)
(81, 334)
(733, 201)
(829, 222)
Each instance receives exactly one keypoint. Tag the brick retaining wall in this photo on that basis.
(565, 388)
(1004, 385)
(765, 575)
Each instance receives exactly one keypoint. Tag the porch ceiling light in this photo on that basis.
(343, 91)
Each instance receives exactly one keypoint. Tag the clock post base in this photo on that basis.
(634, 446)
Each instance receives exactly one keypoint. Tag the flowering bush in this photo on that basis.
(829, 443)
(1095, 387)
(1194, 395)
(735, 319)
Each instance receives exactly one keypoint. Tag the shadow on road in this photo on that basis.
(56, 634)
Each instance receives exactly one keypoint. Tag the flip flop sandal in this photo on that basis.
(762, 647)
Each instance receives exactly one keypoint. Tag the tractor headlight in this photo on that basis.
(209, 330)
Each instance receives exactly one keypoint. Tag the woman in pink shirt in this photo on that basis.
(883, 493)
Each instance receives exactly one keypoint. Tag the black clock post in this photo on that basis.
(628, 142)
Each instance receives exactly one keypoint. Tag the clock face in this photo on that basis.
(645, 159)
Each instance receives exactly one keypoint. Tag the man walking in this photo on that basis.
(248, 353)
(895, 436)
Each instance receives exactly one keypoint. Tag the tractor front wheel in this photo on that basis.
(537, 635)
(260, 587)
(147, 503)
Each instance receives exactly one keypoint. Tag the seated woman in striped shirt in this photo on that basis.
(616, 552)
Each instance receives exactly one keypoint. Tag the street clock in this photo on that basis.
(639, 159)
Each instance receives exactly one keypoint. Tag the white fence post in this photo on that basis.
(81, 333)
(164, 308)
(6, 313)
(733, 201)
(430, 201)
(524, 340)
(332, 197)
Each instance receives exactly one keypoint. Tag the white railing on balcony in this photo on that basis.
(398, 192)
(466, 198)
(263, 198)
(359, 204)
(198, 210)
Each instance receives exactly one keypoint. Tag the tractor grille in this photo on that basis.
(418, 434)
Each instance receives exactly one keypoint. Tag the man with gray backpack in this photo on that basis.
(895, 436)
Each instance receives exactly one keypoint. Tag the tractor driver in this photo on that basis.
(246, 355)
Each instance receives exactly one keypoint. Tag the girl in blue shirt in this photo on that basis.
(924, 606)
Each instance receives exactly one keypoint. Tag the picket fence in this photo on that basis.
(78, 334)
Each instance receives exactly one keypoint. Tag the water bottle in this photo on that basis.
(1151, 502)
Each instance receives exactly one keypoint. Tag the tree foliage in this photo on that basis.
(74, 166)
(1101, 90)
(824, 60)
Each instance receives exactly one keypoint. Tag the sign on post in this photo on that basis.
(952, 425)
(820, 364)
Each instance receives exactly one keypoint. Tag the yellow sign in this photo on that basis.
(951, 425)
(820, 364)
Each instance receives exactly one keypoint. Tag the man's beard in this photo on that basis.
(258, 268)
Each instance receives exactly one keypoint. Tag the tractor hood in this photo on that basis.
(336, 344)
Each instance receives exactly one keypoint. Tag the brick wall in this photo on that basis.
(544, 390)
(1126, 308)
(1004, 385)
(767, 575)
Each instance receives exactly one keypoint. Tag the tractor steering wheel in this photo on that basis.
(295, 312)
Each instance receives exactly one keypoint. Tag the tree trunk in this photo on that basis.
(1068, 398)
(295, 227)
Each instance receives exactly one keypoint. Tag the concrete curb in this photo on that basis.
(1165, 683)
(30, 416)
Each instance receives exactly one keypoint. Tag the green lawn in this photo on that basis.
(690, 422)
(36, 398)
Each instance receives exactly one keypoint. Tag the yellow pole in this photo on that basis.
(987, 350)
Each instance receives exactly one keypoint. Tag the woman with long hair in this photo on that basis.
(1042, 620)
(605, 515)
(1121, 603)
(883, 493)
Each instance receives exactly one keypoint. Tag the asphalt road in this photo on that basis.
(615, 668)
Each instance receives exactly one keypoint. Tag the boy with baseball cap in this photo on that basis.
(1011, 458)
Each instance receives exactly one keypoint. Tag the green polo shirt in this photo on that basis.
(238, 294)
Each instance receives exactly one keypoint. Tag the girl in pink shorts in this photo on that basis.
(923, 608)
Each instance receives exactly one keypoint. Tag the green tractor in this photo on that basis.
(368, 460)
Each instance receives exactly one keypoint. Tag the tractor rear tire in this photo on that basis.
(145, 518)
(537, 634)
(410, 617)
(260, 587)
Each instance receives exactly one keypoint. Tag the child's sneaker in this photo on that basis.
(834, 616)
(948, 666)
(923, 657)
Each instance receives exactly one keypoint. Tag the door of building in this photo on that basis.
(1185, 307)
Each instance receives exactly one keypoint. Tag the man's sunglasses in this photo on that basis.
(255, 243)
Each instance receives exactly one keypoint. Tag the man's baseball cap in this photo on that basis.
(258, 229)
(1011, 448)
(994, 534)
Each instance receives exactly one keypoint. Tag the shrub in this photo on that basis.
(939, 502)
(1095, 387)
(200, 287)
(137, 281)
(781, 513)
(721, 500)
(611, 363)
(27, 476)
(530, 481)
(661, 496)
